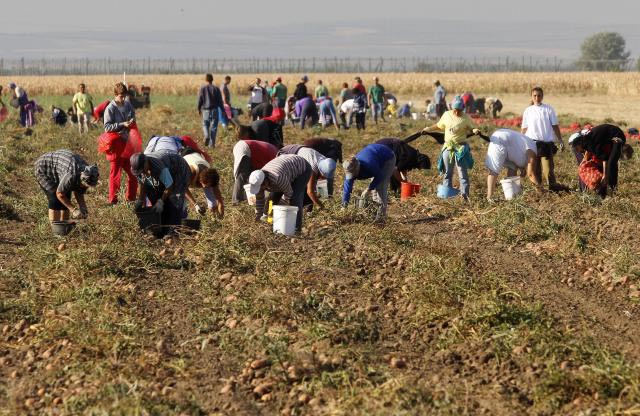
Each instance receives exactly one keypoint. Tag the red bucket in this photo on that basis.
(408, 189)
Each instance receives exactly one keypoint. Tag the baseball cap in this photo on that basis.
(327, 167)
(255, 181)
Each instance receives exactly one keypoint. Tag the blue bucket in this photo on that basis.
(445, 192)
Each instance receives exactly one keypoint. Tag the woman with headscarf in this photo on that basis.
(602, 147)
(456, 152)
(61, 173)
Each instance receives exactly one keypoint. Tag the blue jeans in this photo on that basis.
(210, 126)
(377, 111)
(463, 175)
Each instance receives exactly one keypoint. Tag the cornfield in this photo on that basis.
(601, 83)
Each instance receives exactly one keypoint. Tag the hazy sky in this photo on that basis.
(325, 28)
(143, 15)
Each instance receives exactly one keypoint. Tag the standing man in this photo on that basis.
(540, 122)
(279, 94)
(376, 100)
(225, 113)
(321, 90)
(258, 95)
(209, 103)
(359, 86)
(440, 99)
(83, 107)
(301, 88)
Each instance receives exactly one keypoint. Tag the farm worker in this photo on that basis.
(209, 105)
(469, 102)
(376, 100)
(2, 105)
(374, 161)
(174, 144)
(512, 150)
(440, 99)
(61, 173)
(493, 106)
(279, 93)
(306, 109)
(225, 113)
(301, 89)
(58, 116)
(328, 112)
(164, 179)
(83, 107)
(321, 90)
(205, 177)
(359, 109)
(321, 168)
(405, 110)
(345, 93)
(359, 86)
(392, 110)
(430, 111)
(261, 111)
(249, 155)
(258, 94)
(605, 145)
(98, 111)
(407, 158)
(285, 176)
(263, 130)
(19, 99)
(540, 122)
(119, 117)
(327, 147)
(346, 111)
(455, 153)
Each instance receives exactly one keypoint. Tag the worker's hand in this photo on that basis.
(84, 211)
(476, 131)
(76, 214)
(220, 210)
(158, 206)
(425, 130)
(200, 210)
(127, 124)
(605, 181)
(561, 146)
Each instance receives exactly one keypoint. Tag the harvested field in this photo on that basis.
(522, 307)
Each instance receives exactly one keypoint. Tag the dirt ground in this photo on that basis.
(519, 307)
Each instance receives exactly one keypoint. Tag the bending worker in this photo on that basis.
(61, 173)
(321, 168)
(407, 158)
(374, 161)
(285, 176)
(512, 150)
(249, 155)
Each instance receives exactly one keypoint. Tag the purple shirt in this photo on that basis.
(300, 105)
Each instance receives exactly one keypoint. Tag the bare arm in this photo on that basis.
(311, 191)
(82, 204)
(65, 201)
(556, 130)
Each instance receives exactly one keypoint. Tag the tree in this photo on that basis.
(604, 51)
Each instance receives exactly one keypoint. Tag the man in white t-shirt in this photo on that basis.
(346, 111)
(540, 122)
(512, 150)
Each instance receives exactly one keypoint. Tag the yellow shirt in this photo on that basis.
(82, 103)
(455, 128)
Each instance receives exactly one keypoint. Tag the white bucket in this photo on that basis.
(251, 198)
(415, 116)
(284, 219)
(322, 188)
(511, 187)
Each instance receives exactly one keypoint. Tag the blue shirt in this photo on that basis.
(372, 160)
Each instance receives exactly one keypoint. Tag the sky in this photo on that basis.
(326, 28)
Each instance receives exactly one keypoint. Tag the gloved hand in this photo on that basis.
(200, 210)
(76, 214)
(476, 131)
(562, 146)
(84, 211)
(158, 206)
(138, 205)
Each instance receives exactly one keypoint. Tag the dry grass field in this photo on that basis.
(524, 307)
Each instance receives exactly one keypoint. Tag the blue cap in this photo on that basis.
(458, 104)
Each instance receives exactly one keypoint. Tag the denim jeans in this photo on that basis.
(463, 175)
(383, 188)
(377, 111)
(210, 126)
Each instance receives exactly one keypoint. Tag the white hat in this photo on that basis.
(573, 137)
(255, 180)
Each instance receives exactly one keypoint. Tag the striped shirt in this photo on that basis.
(59, 171)
(282, 171)
(313, 157)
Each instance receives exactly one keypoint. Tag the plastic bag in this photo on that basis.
(134, 144)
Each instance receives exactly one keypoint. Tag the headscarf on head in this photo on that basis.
(90, 175)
